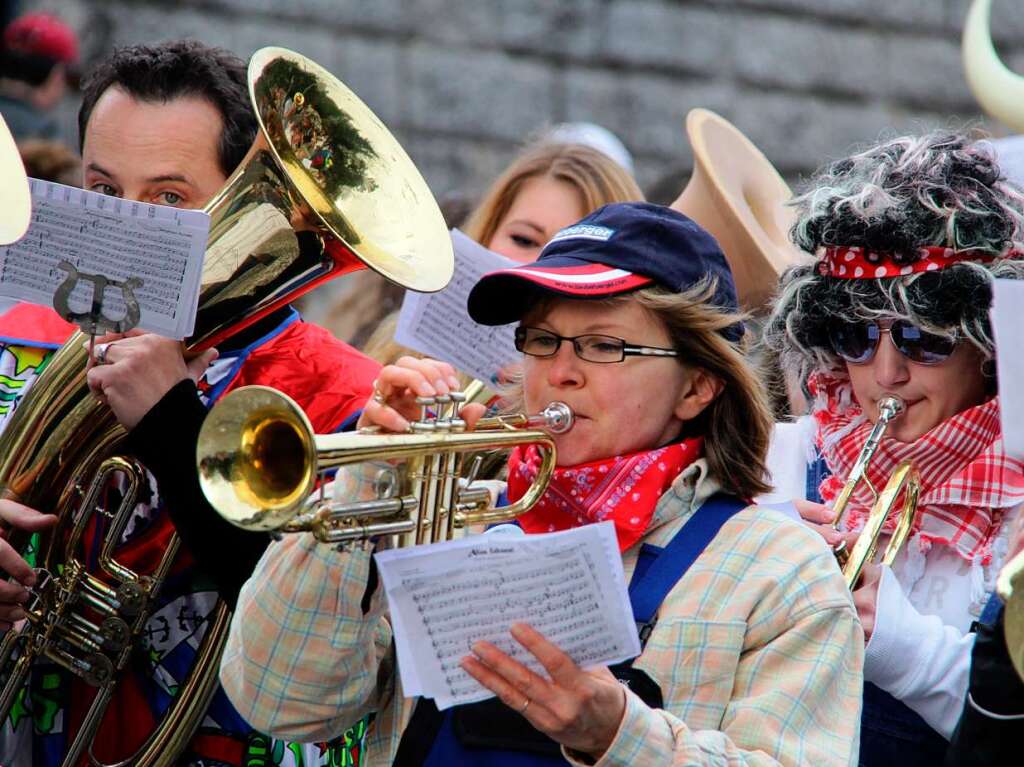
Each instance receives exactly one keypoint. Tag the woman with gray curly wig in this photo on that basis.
(907, 237)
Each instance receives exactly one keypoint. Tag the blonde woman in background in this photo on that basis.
(546, 188)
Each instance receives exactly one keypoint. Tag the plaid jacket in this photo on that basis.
(758, 650)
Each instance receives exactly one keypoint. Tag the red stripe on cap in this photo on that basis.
(580, 281)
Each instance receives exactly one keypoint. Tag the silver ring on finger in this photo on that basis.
(526, 705)
(99, 354)
(378, 397)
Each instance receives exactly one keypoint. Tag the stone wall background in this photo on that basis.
(464, 82)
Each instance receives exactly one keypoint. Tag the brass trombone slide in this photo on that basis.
(259, 461)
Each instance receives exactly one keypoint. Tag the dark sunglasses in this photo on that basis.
(857, 342)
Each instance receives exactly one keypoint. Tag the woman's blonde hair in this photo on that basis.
(737, 425)
(598, 179)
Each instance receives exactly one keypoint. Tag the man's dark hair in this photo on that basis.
(179, 69)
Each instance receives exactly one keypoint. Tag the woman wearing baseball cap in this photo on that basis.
(751, 647)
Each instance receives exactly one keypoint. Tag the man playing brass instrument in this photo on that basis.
(166, 124)
(908, 236)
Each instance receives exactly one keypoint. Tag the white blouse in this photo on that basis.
(920, 650)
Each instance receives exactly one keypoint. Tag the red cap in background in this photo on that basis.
(40, 34)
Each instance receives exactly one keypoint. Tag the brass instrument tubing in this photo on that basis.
(16, 679)
(428, 481)
(888, 408)
(101, 590)
(89, 628)
(362, 532)
(63, 658)
(332, 513)
(110, 608)
(445, 495)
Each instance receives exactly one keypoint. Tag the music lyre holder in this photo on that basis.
(94, 322)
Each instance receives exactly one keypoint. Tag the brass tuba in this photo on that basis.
(325, 189)
(259, 459)
(738, 196)
(904, 481)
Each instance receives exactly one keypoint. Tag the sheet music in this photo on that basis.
(118, 239)
(1007, 298)
(438, 325)
(444, 597)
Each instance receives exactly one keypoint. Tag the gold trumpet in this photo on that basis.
(904, 481)
(259, 461)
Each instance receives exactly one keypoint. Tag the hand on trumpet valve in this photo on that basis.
(393, 406)
(820, 518)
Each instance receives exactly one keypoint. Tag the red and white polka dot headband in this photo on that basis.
(856, 263)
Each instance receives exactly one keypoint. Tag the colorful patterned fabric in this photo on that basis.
(757, 650)
(624, 489)
(857, 263)
(331, 381)
(28, 339)
(967, 479)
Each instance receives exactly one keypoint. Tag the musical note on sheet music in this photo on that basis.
(438, 324)
(116, 238)
(444, 597)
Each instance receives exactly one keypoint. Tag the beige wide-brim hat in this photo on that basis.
(15, 199)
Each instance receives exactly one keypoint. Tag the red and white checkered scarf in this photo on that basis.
(967, 480)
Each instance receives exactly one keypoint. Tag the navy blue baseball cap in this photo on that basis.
(617, 249)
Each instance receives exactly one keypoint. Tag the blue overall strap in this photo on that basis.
(649, 587)
(817, 470)
(990, 614)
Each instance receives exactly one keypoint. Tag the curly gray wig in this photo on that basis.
(940, 189)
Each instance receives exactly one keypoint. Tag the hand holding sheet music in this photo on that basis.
(442, 598)
(161, 246)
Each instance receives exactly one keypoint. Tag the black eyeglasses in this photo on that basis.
(593, 348)
(857, 342)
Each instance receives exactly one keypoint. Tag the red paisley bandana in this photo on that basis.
(624, 489)
(856, 263)
(967, 479)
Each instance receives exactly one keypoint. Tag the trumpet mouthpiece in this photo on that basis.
(558, 418)
(889, 407)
